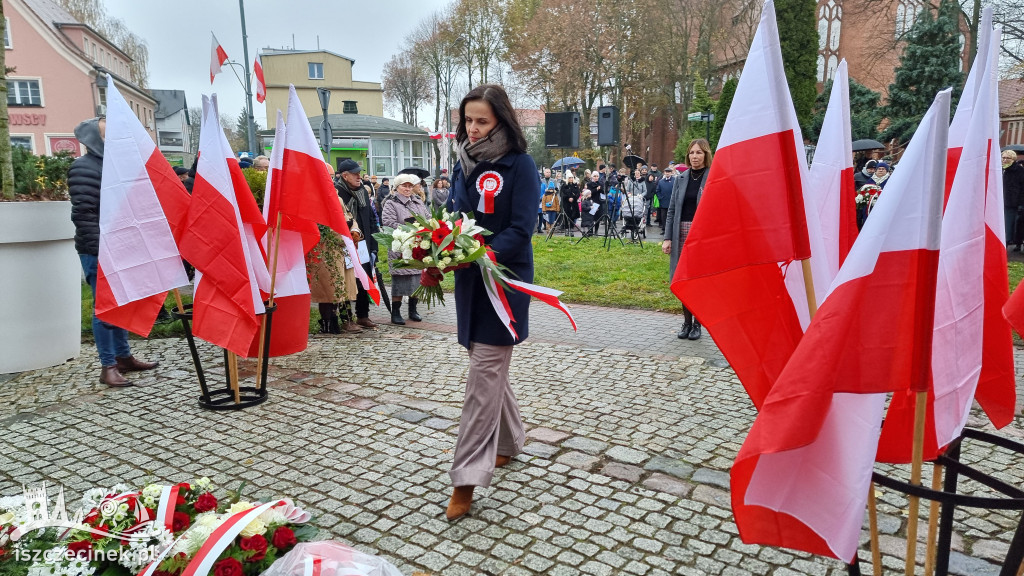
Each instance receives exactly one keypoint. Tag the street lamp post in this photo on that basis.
(253, 147)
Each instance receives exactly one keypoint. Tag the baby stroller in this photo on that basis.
(586, 218)
(633, 217)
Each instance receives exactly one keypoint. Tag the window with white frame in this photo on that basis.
(830, 19)
(7, 33)
(316, 70)
(23, 141)
(907, 12)
(24, 93)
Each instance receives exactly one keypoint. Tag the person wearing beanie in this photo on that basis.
(863, 177)
(881, 174)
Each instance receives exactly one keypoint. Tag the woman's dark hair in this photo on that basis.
(503, 112)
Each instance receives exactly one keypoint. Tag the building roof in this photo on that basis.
(283, 51)
(1011, 97)
(168, 102)
(51, 13)
(362, 124)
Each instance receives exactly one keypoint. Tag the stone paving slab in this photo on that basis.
(631, 435)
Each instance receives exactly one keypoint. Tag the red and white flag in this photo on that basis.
(958, 346)
(965, 107)
(227, 299)
(309, 193)
(751, 219)
(261, 84)
(143, 206)
(831, 176)
(290, 333)
(801, 478)
(217, 57)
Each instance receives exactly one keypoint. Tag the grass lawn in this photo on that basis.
(623, 277)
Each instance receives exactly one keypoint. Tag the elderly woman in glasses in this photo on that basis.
(402, 207)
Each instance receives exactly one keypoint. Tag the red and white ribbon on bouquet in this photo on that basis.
(489, 185)
(496, 294)
(165, 511)
(222, 537)
(312, 565)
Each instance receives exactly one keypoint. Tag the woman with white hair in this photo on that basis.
(402, 207)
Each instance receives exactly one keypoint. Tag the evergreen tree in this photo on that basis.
(798, 35)
(703, 103)
(722, 110)
(864, 111)
(930, 63)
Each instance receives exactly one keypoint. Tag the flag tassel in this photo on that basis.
(270, 302)
(876, 552)
(915, 479)
(933, 522)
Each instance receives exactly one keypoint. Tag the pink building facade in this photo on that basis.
(59, 77)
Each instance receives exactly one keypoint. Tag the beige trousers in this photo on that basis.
(490, 422)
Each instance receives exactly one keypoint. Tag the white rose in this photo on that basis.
(396, 246)
(425, 244)
(407, 254)
(428, 260)
(445, 261)
(203, 483)
(239, 507)
(255, 527)
(458, 254)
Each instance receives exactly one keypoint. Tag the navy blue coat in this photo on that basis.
(511, 224)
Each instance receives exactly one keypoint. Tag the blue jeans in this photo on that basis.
(111, 341)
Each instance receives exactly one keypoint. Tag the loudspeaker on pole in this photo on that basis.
(608, 126)
(562, 130)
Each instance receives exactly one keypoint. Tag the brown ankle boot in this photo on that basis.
(462, 498)
(111, 377)
(502, 461)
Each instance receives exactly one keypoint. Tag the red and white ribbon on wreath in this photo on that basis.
(496, 294)
(489, 185)
(168, 501)
(222, 537)
(312, 565)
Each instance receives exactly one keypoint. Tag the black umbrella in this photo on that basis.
(867, 144)
(1018, 148)
(418, 172)
(632, 161)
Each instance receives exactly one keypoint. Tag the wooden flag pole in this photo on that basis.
(876, 553)
(915, 478)
(933, 522)
(233, 374)
(177, 299)
(812, 301)
(276, 241)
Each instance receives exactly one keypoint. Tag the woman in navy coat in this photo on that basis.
(492, 163)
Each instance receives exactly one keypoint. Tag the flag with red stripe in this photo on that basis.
(801, 478)
(261, 84)
(227, 298)
(751, 218)
(143, 206)
(307, 191)
(965, 107)
(217, 57)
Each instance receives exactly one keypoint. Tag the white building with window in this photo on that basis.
(59, 77)
(173, 128)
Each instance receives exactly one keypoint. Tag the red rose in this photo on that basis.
(283, 538)
(227, 567)
(180, 522)
(419, 253)
(80, 548)
(479, 238)
(102, 528)
(206, 502)
(256, 543)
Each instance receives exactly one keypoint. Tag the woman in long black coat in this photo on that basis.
(492, 156)
(571, 199)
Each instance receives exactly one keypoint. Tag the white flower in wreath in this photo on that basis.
(151, 495)
(239, 507)
(203, 483)
(253, 528)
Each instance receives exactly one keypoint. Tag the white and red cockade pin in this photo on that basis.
(489, 185)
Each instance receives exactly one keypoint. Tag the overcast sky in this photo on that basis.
(178, 35)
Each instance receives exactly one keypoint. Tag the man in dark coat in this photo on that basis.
(1013, 198)
(863, 177)
(358, 200)
(663, 192)
(84, 188)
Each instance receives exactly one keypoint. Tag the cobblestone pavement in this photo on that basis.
(631, 434)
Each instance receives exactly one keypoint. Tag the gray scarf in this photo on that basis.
(489, 149)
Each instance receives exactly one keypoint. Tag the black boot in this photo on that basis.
(326, 311)
(333, 326)
(413, 314)
(396, 313)
(684, 332)
(695, 331)
(323, 326)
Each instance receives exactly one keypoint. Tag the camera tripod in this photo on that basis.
(636, 231)
(569, 225)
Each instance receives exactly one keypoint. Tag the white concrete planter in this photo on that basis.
(40, 286)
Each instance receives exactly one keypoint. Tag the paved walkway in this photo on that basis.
(631, 433)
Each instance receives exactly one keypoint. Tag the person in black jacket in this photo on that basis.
(863, 177)
(1013, 198)
(358, 199)
(84, 188)
(570, 200)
